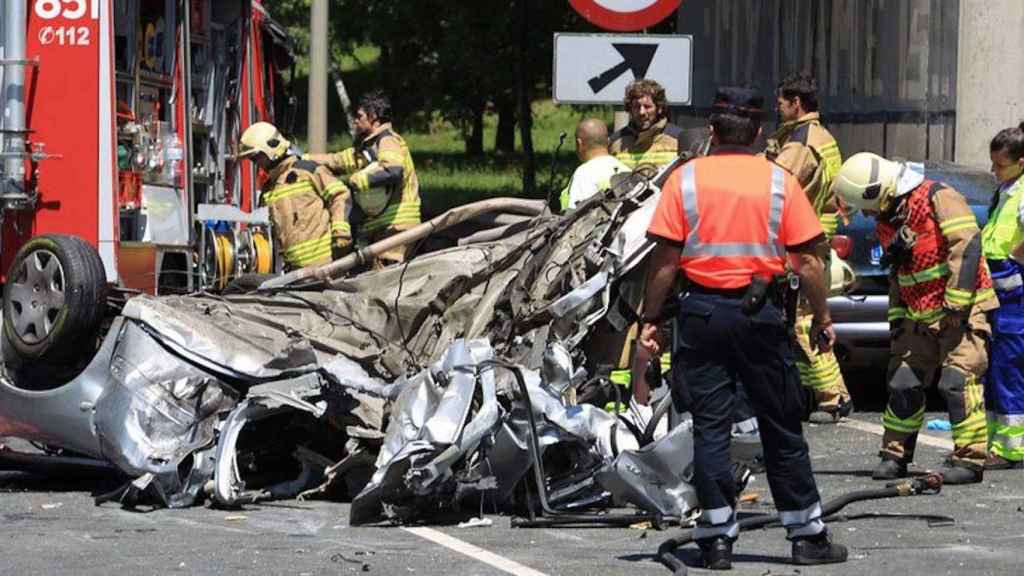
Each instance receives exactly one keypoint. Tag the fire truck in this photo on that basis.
(118, 172)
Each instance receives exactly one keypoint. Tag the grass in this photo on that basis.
(448, 177)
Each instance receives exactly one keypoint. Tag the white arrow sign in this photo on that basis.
(595, 68)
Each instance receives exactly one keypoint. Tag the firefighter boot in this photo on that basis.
(716, 552)
(817, 549)
(960, 474)
(889, 469)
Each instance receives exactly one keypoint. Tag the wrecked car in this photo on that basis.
(443, 383)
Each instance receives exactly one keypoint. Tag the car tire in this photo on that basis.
(54, 300)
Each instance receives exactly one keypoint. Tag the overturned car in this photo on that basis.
(467, 377)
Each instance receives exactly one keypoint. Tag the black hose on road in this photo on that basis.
(930, 484)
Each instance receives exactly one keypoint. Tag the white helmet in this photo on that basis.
(865, 182)
(263, 137)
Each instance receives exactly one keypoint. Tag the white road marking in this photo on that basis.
(467, 549)
(879, 430)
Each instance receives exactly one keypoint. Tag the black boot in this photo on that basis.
(960, 474)
(717, 552)
(889, 469)
(817, 549)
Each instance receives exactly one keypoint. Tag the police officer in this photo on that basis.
(380, 173)
(728, 221)
(309, 207)
(939, 293)
(808, 151)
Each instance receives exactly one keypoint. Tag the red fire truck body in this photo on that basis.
(120, 127)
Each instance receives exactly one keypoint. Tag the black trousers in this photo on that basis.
(719, 346)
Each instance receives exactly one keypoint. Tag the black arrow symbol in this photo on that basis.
(635, 57)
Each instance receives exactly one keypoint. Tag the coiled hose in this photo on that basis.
(930, 484)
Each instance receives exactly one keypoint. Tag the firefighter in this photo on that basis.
(380, 173)
(309, 207)
(1002, 240)
(808, 151)
(649, 138)
(729, 221)
(597, 165)
(939, 293)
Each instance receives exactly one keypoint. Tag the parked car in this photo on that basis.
(862, 330)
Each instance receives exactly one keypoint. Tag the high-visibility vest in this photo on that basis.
(1003, 232)
(729, 241)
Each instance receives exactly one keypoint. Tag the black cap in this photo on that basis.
(740, 101)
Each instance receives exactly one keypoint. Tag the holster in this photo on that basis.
(757, 294)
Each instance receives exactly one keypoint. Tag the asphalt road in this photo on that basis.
(52, 527)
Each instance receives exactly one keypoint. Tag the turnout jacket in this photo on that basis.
(658, 145)
(943, 269)
(380, 174)
(808, 151)
(309, 210)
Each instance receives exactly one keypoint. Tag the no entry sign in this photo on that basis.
(625, 15)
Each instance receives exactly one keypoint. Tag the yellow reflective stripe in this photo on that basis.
(563, 199)
(303, 249)
(829, 223)
(320, 255)
(395, 215)
(971, 430)
(1006, 440)
(395, 157)
(984, 294)
(281, 192)
(926, 316)
(344, 227)
(333, 189)
(956, 224)
(632, 159)
(622, 377)
(360, 181)
(824, 374)
(926, 275)
(905, 425)
(897, 314)
(958, 297)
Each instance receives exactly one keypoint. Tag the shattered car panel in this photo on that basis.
(384, 387)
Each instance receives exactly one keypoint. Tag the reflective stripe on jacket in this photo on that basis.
(946, 270)
(382, 178)
(733, 214)
(811, 153)
(658, 145)
(309, 210)
(1003, 231)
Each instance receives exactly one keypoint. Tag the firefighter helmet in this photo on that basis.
(866, 182)
(263, 137)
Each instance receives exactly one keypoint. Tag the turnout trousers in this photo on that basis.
(957, 358)
(820, 372)
(718, 346)
(1004, 385)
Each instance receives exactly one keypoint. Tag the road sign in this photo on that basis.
(625, 15)
(595, 68)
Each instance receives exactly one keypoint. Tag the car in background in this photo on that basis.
(859, 317)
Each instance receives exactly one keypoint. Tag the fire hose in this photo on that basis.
(447, 220)
(929, 484)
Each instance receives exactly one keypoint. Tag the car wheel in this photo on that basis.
(54, 299)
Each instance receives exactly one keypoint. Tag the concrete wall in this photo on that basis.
(990, 75)
(887, 68)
